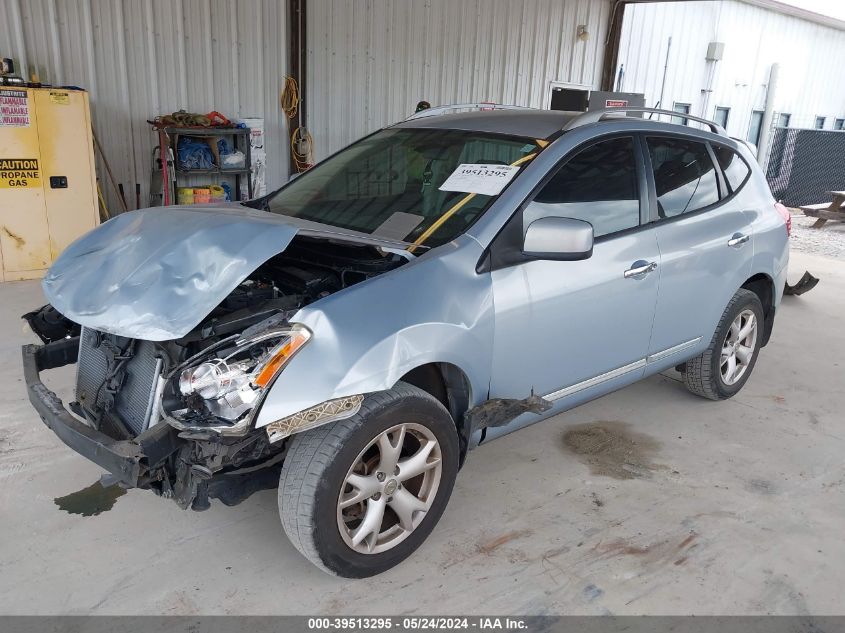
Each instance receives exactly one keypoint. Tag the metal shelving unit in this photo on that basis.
(240, 141)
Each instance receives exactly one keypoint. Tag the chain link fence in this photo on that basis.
(805, 164)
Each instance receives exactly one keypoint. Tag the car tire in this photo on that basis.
(319, 464)
(709, 375)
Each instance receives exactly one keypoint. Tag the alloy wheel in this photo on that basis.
(738, 347)
(389, 488)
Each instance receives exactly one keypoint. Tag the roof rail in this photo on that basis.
(443, 109)
(594, 116)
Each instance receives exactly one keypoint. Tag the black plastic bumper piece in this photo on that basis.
(129, 461)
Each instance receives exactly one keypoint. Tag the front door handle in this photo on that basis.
(640, 269)
(738, 240)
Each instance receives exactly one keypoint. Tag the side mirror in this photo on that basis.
(560, 239)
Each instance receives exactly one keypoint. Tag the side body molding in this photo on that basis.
(366, 337)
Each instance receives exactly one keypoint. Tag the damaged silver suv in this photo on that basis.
(433, 286)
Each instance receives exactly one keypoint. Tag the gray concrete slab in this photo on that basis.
(731, 508)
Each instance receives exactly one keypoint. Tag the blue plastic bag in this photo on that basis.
(194, 154)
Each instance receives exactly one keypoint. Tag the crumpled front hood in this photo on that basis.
(155, 273)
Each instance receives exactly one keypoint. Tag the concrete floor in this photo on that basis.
(734, 508)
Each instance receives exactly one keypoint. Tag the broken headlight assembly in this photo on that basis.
(220, 390)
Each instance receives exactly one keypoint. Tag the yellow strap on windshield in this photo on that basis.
(457, 207)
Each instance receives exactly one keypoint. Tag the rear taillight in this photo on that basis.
(784, 213)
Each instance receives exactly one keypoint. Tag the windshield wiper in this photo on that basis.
(262, 203)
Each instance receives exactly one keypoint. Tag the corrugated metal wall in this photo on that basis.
(371, 61)
(811, 58)
(139, 58)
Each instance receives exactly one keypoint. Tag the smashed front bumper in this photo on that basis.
(132, 460)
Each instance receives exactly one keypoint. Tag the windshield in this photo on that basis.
(425, 186)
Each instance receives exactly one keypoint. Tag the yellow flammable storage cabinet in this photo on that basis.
(48, 194)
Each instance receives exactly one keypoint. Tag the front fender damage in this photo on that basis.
(368, 337)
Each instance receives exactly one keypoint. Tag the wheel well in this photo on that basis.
(450, 386)
(763, 286)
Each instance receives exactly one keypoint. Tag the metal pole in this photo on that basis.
(297, 30)
(611, 44)
(665, 69)
(112, 179)
(708, 90)
(765, 132)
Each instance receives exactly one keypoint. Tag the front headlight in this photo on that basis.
(219, 393)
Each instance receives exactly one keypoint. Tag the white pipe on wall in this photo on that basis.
(768, 113)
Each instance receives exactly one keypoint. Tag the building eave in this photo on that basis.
(797, 12)
(771, 5)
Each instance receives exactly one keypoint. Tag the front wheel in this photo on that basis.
(724, 367)
(358, 496)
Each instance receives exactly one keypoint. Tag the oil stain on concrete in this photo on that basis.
(612, 449)
(488, 547)
(90, 501)
(675, 550)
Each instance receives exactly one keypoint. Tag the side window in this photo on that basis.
(598, 185)
(684, 175)
(734, 168)
(682, 108)
(755, 126)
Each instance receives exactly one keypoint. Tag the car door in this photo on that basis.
(705, 240)
(566, 327)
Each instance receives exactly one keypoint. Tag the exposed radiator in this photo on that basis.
(133, 403)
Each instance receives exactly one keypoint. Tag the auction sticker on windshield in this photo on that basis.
(488, 180)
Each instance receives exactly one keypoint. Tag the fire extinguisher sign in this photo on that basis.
(18, 173)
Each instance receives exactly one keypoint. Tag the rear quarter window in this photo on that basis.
(684, 175)
(733, 166)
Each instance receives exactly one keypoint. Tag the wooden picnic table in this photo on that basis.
(826, 211)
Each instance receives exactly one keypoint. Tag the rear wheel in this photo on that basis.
(358, 496)
(724, 367)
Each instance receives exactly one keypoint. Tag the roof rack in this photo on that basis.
(594, 116)
(443, 109)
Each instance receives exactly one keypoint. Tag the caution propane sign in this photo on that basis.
(18, 173)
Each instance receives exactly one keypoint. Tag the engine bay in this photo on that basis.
(308, 270)
(207, 385)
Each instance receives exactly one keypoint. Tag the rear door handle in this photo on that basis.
(738, 240)
(640, 269)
